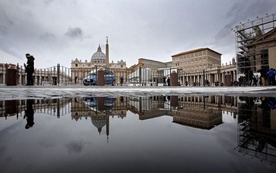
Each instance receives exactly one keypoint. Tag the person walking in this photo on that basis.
(271, 76)
(29, 68)
(255, 80)
(263, 76)
(249, 76)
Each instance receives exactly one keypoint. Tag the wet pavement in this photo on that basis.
(23, 92)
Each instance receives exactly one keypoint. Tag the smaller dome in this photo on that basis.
(99, 55)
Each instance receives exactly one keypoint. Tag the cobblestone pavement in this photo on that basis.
(23, 92)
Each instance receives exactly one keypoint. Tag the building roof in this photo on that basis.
(195, 50)
(144, 59)
(99, 55)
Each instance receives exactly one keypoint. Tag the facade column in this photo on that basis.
(199, 79)
(18, 77)
(4, 76)
(40, 78)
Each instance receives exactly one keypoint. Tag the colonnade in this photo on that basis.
(214, 77)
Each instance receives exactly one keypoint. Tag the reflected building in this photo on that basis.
(99, 110)
(203, 111)
(256, 115)
(199, 115)
(87, 106)
(55, 107)
(197, 111)
(257, 128)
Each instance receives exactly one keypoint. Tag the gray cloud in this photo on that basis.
(5, 21)
(47, 36)
(74, 147)
(150, 29)
(74, 33)
(240, 11)
(4, 18)
(48, 1)
(243, 10)
(3, 30)
(12, 51)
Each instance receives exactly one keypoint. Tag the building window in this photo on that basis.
(264, 57)
(76, 65)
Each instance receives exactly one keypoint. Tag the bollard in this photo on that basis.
(174, 79)
(100, 103)
(11, 76)
(174, 101)
(100, 77)
(228, 80)
(11, 107)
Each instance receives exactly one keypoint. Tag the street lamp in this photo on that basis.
(224, 77)
(204, 83)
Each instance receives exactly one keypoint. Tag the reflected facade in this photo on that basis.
(196, 111)
(255, 117)
(257, 127)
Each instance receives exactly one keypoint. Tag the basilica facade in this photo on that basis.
(99, 60)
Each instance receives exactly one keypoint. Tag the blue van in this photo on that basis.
(92, 103)
(91, 78)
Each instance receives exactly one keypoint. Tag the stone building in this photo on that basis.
(99, 60)
(158, 71)
(196, 67)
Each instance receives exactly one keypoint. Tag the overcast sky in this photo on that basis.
(58, 31)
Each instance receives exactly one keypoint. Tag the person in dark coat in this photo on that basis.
(271, 76)
(249, 76)
(29, 69)
(263, 77)
(255, 80)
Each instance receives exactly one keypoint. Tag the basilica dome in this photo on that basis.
(99, 55)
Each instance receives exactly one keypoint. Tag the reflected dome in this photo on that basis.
(99, 122)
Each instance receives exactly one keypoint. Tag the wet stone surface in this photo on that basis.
(17, 92)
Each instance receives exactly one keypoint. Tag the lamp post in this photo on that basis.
(204, 82)
(96, 72)
(224, 77)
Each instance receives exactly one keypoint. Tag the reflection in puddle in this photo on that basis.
(255, 117)
(257, 127)
(29, 114)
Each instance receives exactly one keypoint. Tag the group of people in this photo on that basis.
(251, 78)
(267, 76)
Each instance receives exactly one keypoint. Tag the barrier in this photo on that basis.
(11, 77)
(100, 76)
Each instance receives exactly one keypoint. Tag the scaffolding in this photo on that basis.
(256, 44)
(256, 135)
